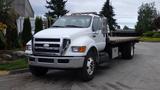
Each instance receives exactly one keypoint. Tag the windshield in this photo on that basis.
(73, 21)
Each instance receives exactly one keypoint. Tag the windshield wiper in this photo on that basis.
(73, 26)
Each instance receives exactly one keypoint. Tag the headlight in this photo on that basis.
(28, 47)
(80, 49)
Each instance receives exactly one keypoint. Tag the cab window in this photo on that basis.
(97, 24)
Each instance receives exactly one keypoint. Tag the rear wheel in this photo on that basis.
(89, 66)
(38, 71)
(128, 51)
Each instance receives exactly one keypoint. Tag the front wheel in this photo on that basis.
(38, 71)
(88, 69)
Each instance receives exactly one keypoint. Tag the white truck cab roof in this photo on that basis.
(85, 13)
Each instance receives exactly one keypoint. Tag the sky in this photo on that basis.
(125, 10)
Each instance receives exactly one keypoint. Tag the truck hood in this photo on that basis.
(61, 32)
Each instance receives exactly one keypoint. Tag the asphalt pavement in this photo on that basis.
(140, 73)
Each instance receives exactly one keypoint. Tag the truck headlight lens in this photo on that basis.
(28, 47)
(79, 49)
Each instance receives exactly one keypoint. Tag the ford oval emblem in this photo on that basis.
(46, 45)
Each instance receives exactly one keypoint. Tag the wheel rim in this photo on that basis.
(90, 66)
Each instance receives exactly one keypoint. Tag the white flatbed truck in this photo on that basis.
(76, 41)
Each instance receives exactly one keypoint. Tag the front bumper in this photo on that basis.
(56, 62)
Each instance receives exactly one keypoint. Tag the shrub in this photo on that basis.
(148, 34)
(2, 37)
(38, 24)
(156, 35)
(2, 26)
(2, 41)
(12, 38)
(14, 35)
(26, 33)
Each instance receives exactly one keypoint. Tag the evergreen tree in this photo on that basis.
(38, 24)
(26, 33)
(147, 12)
(108, 12)
(57, 8)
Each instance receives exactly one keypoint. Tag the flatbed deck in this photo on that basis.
(114, 40)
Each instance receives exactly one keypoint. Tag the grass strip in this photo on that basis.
(13, 65)
(149, 39)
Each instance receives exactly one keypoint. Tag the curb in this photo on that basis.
(18, 71)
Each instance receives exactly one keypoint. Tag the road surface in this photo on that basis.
(141, 73)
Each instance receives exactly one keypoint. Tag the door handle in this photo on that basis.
(94, 34)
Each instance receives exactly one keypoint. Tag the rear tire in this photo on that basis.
(89, 66)
(38, 71)
(128, 51)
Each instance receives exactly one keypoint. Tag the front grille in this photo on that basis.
(47, 40)
(49, 47)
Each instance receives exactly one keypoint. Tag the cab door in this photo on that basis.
(97, 34)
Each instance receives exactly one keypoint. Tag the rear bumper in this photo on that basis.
(56, 62)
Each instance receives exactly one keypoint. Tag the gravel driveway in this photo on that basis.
(141, 73)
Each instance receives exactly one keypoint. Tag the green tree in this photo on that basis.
(12, 33)
(57, 8)
(108, 12)
(156, 22)
(147, 12)
(5, 6)
(26, 33)
(12, 38)
(38, 24)
(8, 16)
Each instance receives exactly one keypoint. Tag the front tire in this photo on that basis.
(89, 66)
(38, 71)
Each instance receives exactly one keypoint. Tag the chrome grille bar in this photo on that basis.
(49, 47)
